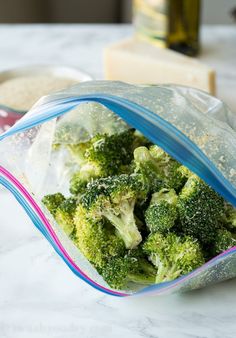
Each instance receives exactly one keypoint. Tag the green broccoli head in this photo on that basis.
(102, 156)
(158, 168)
(223, 241)
(173, 173)
(111, 153)
(200, 208)
(119, 272)
(96, 239)
(62, 209)
(172, 255)
(185, 173)
(162, 212)
(116, 272)
(64, 215)
(80, 179)
(114, 199)
(146, 166)
(53, 201)
(229, 217)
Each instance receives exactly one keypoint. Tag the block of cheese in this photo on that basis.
(136, 61)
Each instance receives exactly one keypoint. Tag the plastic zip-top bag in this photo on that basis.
(188, 128)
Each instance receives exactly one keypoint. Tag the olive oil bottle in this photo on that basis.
(169, 23)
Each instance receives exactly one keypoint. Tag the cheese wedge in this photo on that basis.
(136, 61)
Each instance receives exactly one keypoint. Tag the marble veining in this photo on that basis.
(39, 296)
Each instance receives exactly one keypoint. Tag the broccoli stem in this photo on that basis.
(165, 271)
(125, 223)
(140, 278)
(146, 276)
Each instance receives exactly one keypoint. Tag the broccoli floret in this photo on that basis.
(162, 212)
(64, 215)
(172, 172)
(172, 255)
(158, 168)
(114, 198)
(106, 155)
(200, 208)
(76, 150)
(53, 201)
(229, 217)
(111, 152)
(62, 209)
(146, 166)
(80, 179)
(184, 172)
(223, 241)
(96, 239)
(118, 272)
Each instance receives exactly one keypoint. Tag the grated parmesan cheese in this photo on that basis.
(21, 93)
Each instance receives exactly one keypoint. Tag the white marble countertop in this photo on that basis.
(39, 296)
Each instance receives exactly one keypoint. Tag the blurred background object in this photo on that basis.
(136, 61)
(94, 11)
(167, 23)
(61, 11)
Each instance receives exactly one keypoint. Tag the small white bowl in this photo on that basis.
(57, 71)
(9, 115)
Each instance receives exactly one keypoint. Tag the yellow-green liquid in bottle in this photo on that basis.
(169, 23)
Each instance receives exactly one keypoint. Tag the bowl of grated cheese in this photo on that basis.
(21, 88)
